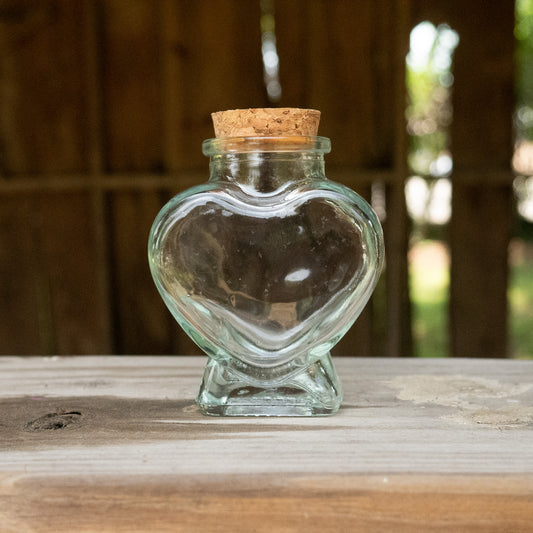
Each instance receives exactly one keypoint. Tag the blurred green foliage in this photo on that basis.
(524, 69)
(429, 80)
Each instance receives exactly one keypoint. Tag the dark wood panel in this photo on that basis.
(398, 303)
(131, 57)
(142, 322)
(359, 339)
(50, 301)
(212, 62)
(24, 291)
(321, 46)
(42, 104)
(130, 60)
(98, 97)
(66, 237)
(481, 212)
(44, 120)
(481, 230)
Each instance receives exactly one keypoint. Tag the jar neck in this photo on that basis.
(265, 164)
(265, 172)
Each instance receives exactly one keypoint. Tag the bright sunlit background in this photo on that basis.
(429, 188)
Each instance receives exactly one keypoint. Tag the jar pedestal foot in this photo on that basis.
(316, 390)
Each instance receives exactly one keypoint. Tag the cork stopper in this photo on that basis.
(266, 122)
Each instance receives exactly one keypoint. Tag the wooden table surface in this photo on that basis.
(117, 444)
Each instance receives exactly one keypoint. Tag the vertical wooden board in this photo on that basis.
(397, 227)
(213, 62)
(481, 210)
(481, 134)
(337, 56)
(50, 303)
(480, 234)
(398, 312)
(131, 57)
(380, 333)
(293, 37)
(131, 66)
(22, 292)
(91, 36)
(348, 60)
(388, 49)
(483, 91)
(358, 339)
(341, 83)
(43, 125)
(42, 103)
(67, 241)
(142, 324)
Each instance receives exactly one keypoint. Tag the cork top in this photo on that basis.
(266, 122)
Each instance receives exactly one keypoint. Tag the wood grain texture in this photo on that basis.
(363, 112)
(117, 444)
(211, 62)
(481, 226)
(130, 58)
(51, 239)
(482, 144)
(104, 104)
(24, 285)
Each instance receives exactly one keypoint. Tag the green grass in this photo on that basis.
(429, 277)
(521, 309)
(429, 274)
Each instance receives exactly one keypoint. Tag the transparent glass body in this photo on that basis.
(265, 267)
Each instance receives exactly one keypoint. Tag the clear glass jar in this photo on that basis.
(266, 267)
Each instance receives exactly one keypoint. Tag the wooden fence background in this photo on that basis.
(103, 108)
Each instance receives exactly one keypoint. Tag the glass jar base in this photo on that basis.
(315, 391)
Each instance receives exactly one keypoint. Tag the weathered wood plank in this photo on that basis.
(481, 232)
(96, 166)
(326, 41)
(418, 444)
(131, 65)
(363, 106)
(42, 108)
(211, 62)
(264, 504)
(43, 111)
(481, 143)
(23, 291)
(480, 229)
(142, 320)
(65, 233)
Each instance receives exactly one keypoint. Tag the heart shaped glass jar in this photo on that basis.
(266, 267)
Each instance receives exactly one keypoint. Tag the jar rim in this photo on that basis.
(227, 145)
